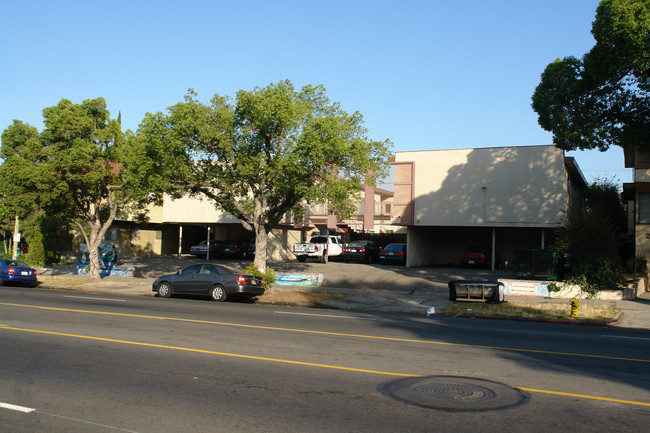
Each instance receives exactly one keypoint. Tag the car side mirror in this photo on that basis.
(179, 272)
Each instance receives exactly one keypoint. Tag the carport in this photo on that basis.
(502, 198)
(441, 246)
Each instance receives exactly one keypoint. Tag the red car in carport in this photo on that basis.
(476, 256)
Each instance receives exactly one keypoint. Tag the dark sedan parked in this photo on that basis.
(16, 272)
(232, 249)
(216, 281)
(363, 251)
(393, 253)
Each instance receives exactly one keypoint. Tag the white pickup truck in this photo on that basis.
(316, 248)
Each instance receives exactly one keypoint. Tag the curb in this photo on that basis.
(608, 322)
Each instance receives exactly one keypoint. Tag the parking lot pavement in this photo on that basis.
(382, 288)
(336, 274)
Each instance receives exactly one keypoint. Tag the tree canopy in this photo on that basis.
(602, 99)
(592, 237)
(267, 153)
(81, 166)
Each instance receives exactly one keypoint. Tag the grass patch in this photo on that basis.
(531, 310)
(63, 281)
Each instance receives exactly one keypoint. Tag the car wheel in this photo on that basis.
(217, 293)
(302, 258)
(164, 290)
(369, 260)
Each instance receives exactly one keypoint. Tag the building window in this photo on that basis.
(644, 208)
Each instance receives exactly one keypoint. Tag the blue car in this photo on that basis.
(16, 272)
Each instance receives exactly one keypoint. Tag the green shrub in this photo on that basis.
(553, 287)
(602, 276)
(36, 255)
(267, 277)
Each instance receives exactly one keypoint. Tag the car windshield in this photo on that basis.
(358, 244)
(394, 247)
(192, 270)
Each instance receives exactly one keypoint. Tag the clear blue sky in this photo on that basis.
(424, 74)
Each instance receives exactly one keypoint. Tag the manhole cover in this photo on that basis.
(454, 393)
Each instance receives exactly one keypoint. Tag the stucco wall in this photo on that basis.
(642, 175)
(281, 242)
(193, 210)
(497, 187)
(642, 234)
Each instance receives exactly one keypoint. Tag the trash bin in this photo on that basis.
(488, 291)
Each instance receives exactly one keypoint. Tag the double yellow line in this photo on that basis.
(285, 361)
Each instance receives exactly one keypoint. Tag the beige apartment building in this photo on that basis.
(442, 201)
(502, 198)
(180, 223)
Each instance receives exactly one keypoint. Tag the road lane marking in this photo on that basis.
(623, 336)
(336, 334)
(209, 352)
(16, 408)
(83, 421)
(94, 299)
(324, 315)
(590, 397)
(24, 409)
(292, 362)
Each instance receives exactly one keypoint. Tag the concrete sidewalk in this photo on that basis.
(388, 289)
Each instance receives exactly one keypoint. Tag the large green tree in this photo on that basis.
(267, 153)
(27, 193)
(602, 99)
(592, 237)
(83, 159)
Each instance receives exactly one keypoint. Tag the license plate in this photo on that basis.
(255, 282)
(471, 262)
(24, 273)
(391, 254)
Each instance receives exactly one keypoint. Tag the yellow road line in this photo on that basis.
(209, 352)
(337, 334)
(287, 361)
(590, 397)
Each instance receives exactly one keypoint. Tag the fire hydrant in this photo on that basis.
(574, 307)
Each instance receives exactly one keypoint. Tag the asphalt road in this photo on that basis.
(75, 362)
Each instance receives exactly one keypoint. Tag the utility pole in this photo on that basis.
(16, 238)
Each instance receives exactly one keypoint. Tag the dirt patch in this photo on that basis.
(297, 298)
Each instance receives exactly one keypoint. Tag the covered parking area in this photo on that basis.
(441, 246)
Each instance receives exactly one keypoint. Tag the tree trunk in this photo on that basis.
(97, 232)
(93, 242)
(93, 255)
(261, 243)
(261, 235)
